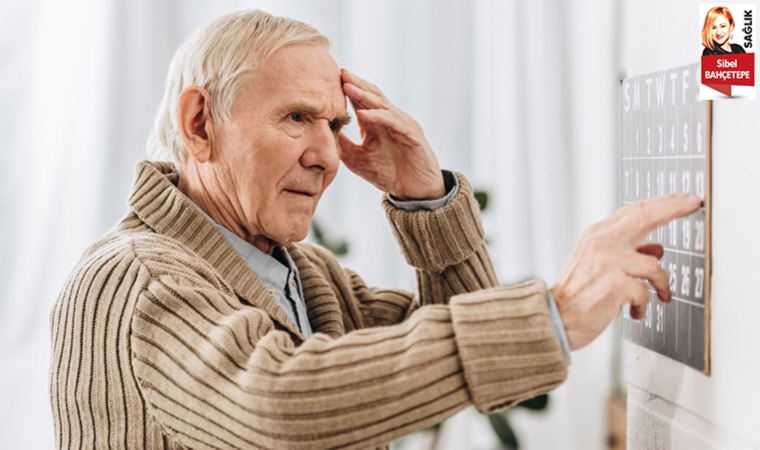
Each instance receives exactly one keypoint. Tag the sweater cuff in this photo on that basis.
(508, 347)
(451, 184)
(434, 240)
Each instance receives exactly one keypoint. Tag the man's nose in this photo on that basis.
(322, 147)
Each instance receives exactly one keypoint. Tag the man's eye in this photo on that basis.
(296, 117)
(335, 125)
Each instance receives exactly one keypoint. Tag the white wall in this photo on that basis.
(670, 405)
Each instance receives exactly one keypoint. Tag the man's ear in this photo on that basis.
(195, 122)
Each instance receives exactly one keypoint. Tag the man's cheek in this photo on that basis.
(330, 177)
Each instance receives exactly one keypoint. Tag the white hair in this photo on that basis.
(215, 57)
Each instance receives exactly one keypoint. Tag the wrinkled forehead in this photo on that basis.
(299, 73)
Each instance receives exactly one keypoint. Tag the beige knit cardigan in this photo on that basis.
(163, 338)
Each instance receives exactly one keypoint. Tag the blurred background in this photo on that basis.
(521, 97)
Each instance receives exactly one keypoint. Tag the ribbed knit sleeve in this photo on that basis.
(363, 306)
(217, 373)
(446, 246)
(508, 348)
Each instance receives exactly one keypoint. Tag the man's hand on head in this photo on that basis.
(609, 264)
(394, 155)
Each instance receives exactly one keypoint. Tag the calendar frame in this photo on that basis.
(651, 166)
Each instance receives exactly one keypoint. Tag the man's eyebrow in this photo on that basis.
(301, 107)
(311, 109)
(344, 120)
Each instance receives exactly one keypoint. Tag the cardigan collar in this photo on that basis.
(157, 201)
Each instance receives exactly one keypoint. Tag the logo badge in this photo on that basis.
(728, 55)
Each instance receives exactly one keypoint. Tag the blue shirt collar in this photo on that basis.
(269, 269)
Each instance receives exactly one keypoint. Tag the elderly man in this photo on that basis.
(201, 321)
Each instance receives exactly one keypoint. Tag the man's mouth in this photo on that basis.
(300, 192)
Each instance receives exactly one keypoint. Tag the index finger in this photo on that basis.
(350, 77)
(362, 98)
(639, 219)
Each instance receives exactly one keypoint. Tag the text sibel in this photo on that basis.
(726, 64)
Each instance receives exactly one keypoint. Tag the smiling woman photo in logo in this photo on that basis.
(717, 32)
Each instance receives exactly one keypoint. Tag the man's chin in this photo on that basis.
(296, 233)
